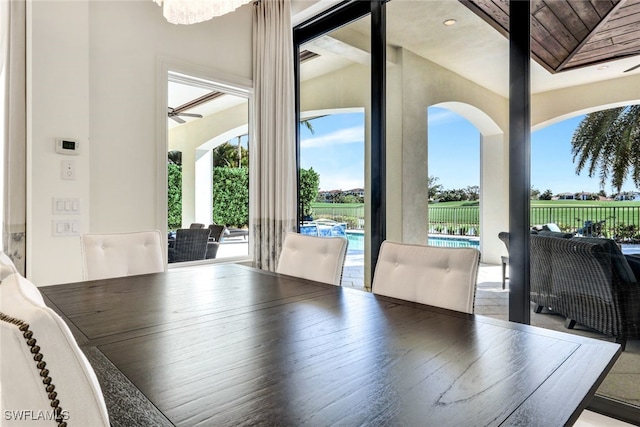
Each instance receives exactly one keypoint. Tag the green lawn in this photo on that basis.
(336, 205)
(545, 203)
(568, 214)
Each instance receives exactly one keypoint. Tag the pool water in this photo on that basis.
(454, 242)
(356, 241)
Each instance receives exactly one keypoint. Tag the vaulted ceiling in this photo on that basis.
(570, 34)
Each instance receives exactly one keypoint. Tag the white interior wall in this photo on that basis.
(94, 77)
(57, 106)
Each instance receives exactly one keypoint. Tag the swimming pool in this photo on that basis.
(454, 242)
(356, 241)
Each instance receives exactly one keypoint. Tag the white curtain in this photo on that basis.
(273, 168)
(13, 72)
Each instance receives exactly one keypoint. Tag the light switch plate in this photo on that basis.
(68, 169)
(66, 227)
(66, 206)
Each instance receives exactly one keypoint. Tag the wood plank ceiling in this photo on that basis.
(570, 34)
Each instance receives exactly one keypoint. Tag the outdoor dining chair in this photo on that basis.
(433, 275)
(314, 258)
(190, 245)
(504, 236)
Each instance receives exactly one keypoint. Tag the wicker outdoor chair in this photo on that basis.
(504, 236)
(589, 281)
(217, 232)
(190, 245)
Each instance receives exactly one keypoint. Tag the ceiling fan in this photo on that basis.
(174, 114)
(632, 68)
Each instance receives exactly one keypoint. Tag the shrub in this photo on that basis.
(174, 196)
(231, 196)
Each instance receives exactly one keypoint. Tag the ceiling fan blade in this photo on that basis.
(632, 68)
(199, 116)
(177, 119)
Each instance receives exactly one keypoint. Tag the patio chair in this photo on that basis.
(504, 236)
(196, 225)
(434, 275)
(217, 232)
(215, 237)
(236, 232)
(589, 281)
(121, 254)
(312, 257)
(190, 245)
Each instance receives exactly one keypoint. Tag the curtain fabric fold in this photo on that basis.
(13, 66)
(273, 171)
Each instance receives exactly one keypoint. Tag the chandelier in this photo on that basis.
(194, 11)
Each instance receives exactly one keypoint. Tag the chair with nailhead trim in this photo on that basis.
(44, 374)
(312, 257)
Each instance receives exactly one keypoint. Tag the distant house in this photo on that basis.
(585, 196)
(628, 196)
(566, 196)
(355, 192)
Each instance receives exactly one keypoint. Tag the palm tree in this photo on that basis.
(227, 155)
(608, 142)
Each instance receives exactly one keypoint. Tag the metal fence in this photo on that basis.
(621, 223)
(353, 216)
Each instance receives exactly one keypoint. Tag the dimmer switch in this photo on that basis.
(68, 169)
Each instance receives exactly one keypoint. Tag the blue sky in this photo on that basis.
(336, 152)
(552, 164)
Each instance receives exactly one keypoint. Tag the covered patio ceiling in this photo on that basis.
(571, 34)
(574, 42)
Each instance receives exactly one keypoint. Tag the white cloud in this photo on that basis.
(341, 136)
(345, 180)
(442, 116)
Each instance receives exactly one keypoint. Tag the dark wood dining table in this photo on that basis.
(229, 345)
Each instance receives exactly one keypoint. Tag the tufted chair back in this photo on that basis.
(314, 258)
(438, 276)
(42, 366)
(122, 254)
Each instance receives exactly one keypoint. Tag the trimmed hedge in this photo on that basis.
(174, 196)
(231, 196)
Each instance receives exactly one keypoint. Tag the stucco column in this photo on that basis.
(188, 186)
(203, 198)
(415, 209)
(494, 196)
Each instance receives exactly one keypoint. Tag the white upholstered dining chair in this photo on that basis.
(43, 368)
(24, 287)
(312, 257)
(438, 276)
(121, 254)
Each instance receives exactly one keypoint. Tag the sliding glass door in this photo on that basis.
(334, 134)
